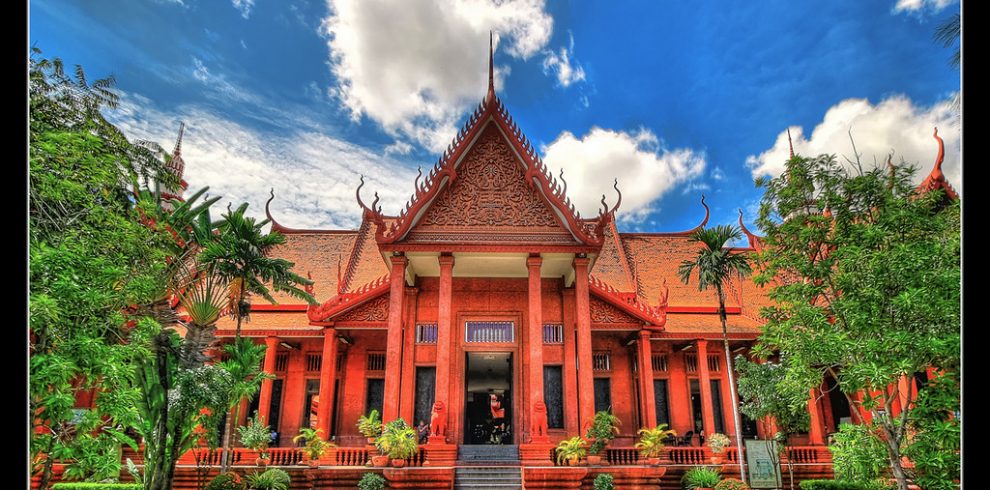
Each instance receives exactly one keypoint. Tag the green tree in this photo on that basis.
(717, 264)
(244, 366)
(89, 260)
(867, 285)
(767, 394)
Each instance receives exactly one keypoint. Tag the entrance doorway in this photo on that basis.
(488, 401)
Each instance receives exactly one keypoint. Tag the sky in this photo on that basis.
(674, 99)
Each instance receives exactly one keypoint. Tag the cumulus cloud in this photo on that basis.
(646, 169)
(314, 175)
(894, 125)
(416, 68)
(244, 6)
(567, 71)
(917, 5)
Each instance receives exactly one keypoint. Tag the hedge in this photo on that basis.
(843, 485)
(96, 486)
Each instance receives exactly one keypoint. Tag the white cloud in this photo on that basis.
(314, 175)
(894, 125)
(645, 168)
(219, 84)
(560, 63)
(417, 67)
(718, 173)
(244, 6)
(917, 5)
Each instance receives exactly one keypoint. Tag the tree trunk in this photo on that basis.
(730, 373)
(46, 472)
(894, 454)
(228, 428)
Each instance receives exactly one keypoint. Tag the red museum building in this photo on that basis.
(490, 310)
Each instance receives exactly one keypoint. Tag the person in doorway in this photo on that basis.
(423, 430)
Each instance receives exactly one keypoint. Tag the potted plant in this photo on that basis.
(315, 445)
(570, 451)
(651, 442)
(603, 429)
(371, 481)
(717, 443)
(398, 441)
(271, 479)
(604, 481)
(700, 478)
(731, 484)
(370, 426)
(256, 436)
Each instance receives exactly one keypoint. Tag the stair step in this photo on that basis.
(487, 477)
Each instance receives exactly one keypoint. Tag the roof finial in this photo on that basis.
(941, 155)
(178, 142)
(491, 65)
(789, 142)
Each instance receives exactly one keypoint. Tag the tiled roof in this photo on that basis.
(316, 254)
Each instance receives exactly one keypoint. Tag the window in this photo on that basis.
(660, 400)
(375, 397)
(553, 333)
(601, 361)
(426, 333)
(603, 394)
(313, 361)
(376, 361)
(717, 406)
(488, 332)
(659, 362)
(426, 377)
(553, 395)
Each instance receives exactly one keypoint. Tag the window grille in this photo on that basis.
(426, 333)
(553, 333)
(714, 365)
(488, 332)
(659, 363)
(313, 361)
(601, 361)
(376, 361)
(691, 362)
(281, 362)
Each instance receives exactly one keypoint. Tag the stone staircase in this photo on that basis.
(487, 466)
(467, 477)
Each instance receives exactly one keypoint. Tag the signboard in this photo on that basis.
(764, 465)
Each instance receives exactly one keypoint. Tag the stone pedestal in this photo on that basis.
(536, 454)
(439, 453)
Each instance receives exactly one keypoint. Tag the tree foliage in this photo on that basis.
(866, 285)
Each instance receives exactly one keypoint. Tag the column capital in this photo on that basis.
(644, 335)
(534, 261)
(701, 343)
(446, 259)
(271, 341)
(398, 259)
(581, 261)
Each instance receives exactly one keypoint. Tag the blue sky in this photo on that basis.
(675, 99)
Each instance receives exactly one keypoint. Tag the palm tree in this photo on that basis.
(240, 254)
(716, 266)
(244, 366)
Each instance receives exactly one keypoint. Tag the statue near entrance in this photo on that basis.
(538, 429)
(438, 421)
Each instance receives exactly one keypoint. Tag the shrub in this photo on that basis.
(858, 455)
(371, 481)
(718, 442)
(370, 425)
(272, 479)
(843, 485)
(603, 429)
(256, 435)
(700, 477)
(651, 441)
(226, 481)
(96, 486)
(604, 481)
(315, 445)
(398, 440)
(731, 484)
(571, 450)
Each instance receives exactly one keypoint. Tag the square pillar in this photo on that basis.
(328, 370)
(586, 380)
(816, 427)
(407, 399)
(679, 394)
(537, 409)
(570, 365)
(265, 396)
(727, 401)
(393, 344)
(441, 399)
(648, 404)
(707, 414)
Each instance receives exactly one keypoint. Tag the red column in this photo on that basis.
(328, 369)
(815, 431)
(393, 356)
(570, 367)
(707, 414)
(444, 336)
(537, 428)
(726, 408)
(408, 396)
(586, 380)
(680, 394)
(648, 406)
(265, 397)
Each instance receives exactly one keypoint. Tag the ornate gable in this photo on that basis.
(605, 313)
(490, 201)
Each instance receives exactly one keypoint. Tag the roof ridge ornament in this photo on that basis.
(491, 67)
(268, 213)
(790, 143)
(936, 178)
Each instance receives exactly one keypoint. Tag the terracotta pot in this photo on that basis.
(313, 463)
(262, 462)
(398, 463)
(716, 459)
(573, 462)
(371, 441)
(653, 461)
(379, 460)
(594, 459)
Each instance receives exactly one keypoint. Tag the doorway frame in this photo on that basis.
(463, 348)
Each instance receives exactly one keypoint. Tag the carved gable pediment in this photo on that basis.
(603, 312)
(374, 311)
(490, 200)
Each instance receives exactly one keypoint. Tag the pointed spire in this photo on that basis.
(790, 143)
(491, 66)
